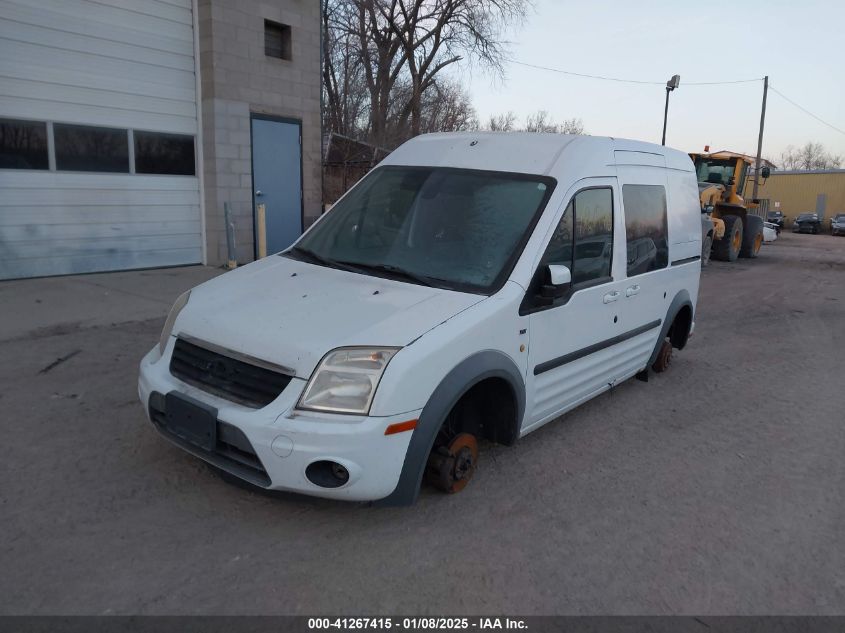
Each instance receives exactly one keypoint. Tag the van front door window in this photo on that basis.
(583, 239)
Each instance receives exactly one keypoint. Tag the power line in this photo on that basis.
(805, 110)
(629, 81)
(686, 83)
(574, 74)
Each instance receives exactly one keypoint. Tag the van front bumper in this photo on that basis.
(273, 446)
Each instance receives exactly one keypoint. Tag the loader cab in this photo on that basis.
(728, 172)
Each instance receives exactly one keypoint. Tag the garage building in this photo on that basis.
(795, 192)
(125, 127)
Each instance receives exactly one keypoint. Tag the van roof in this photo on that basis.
(533, 153)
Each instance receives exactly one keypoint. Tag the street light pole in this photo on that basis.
(673, 83)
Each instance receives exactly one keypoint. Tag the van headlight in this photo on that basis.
(346, 379)
(167, 330)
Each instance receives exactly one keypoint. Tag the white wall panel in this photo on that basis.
(61, 223)
(118, 63)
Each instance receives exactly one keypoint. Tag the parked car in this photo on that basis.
(770, 232)
(777, 218)
(837, 224)
(807, 223)
(471, 286)
(642, 253)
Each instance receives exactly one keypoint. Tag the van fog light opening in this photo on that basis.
(327, 474)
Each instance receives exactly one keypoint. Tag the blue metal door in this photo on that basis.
(277, 179)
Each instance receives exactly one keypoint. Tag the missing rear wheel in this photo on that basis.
(664, 358)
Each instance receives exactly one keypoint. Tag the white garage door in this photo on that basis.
(98, 129)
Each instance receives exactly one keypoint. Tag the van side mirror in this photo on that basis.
(555, 284)
(765, 172)
(560, 275)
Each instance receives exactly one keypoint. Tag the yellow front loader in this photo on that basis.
(736, 230)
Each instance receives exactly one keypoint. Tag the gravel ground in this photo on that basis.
(716, 488)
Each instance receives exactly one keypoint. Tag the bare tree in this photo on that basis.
(438, 33)
(345, 94)
(572, 126)
(502, 122)
(789, 158)
(540, 121)
(447, 107)
(385, 62)
(810, 156)
(417, 39)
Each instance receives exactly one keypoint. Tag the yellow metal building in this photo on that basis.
(795, 192)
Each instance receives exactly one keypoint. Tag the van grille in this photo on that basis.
(226, 377)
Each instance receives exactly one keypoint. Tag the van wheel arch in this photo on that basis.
(680, 328)
(481, 371)
(676, 326)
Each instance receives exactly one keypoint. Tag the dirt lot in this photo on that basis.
(716, 488)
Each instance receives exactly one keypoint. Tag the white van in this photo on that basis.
(471, 286)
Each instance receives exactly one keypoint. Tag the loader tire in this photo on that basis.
(727, 249)
(752, 238)
(706, 249)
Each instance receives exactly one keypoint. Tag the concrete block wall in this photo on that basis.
(239, 79)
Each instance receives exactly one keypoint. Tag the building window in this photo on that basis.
(277, 41)
(583, 240)
(23, 145)
(157, 153)
(645, 228)
(84, 148)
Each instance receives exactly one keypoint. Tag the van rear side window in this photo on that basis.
(645, 228)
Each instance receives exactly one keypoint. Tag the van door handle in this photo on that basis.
(611, 296)
(633, 290)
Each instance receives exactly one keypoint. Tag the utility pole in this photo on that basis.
(760, 138)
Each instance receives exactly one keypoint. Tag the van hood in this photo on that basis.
(292, 313)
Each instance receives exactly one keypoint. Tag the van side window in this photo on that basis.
(593, 235)
(559, 250)
(645, 228)
(583, 240)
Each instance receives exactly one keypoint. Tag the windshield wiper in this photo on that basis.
(393, 271)
(319, 259)
(356, 267)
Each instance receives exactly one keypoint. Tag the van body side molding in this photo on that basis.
(686, 260)
(592, 349)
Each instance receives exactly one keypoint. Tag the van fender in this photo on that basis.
(467, 374)
(681, 299)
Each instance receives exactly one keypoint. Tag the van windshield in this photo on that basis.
(451, 228)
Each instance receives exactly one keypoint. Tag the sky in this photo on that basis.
(799, 45)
